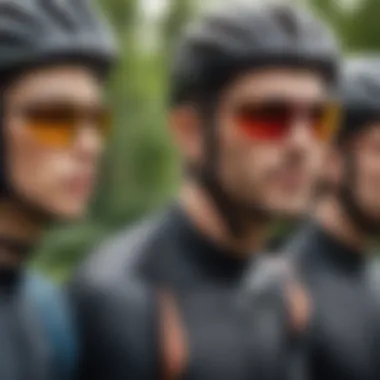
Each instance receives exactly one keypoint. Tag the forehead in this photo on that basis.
(68, 82)
(297, 84)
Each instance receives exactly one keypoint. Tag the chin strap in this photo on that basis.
(35, 212)
(234, 212)
(21, 249)
(16, 246)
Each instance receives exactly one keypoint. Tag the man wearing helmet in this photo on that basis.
(250, 117)
(53, 57)
(331, 253)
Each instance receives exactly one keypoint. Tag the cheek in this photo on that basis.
(33, 169)
(318, 165)
(368, 173)
(246, 163)
(262, 160)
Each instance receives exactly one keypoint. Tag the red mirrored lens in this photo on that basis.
(266, 121)
(272, 120)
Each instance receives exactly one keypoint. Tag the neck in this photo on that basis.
(206, 217)
(18, 226)
(331, 215)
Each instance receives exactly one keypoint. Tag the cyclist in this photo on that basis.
(53, 59)
(331, 255)
(250, 101)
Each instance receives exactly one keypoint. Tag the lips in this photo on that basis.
(81, 185)
(292, 180)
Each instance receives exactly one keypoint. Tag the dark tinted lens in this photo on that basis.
(52, 114)
(271, 111)
(51, 124)
(317, 112)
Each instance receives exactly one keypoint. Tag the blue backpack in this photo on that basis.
(54, 312)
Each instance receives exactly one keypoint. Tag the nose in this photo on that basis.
(301, 135)
(89, 142)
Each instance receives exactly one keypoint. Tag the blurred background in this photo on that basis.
(141, 170)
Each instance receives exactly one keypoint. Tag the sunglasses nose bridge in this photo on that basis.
(88, 139)
(300, 131)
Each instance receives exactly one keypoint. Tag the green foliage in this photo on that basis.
(357, 24)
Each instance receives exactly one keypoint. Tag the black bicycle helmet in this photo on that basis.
(225, 42)
(359, 92)
(38, 32)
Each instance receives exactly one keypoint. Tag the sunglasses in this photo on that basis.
(57, 124)
(271, 120)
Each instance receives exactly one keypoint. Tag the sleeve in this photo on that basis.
(117, 327)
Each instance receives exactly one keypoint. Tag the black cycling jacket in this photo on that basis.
(343, 342)
(115, 296)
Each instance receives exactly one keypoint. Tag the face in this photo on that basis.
(54, 132)
(366, 153)
(271, 133)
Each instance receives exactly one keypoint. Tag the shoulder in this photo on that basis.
(114, 305)
(111, 277)
(374, 271)
(109, 283)
(48, 295)
(108, 288)
(40, 283)
(54, 311)
(123, 252)
(45, 292)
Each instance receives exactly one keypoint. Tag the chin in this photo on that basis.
(70, 214)
(291, 210)
(293, 214)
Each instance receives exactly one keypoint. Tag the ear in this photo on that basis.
(186, 128)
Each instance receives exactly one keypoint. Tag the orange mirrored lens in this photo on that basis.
(329, 124)
(52, 134)
(57, 126)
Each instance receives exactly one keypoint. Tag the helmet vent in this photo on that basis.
(286, 19)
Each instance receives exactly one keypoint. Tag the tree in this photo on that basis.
(357, 25)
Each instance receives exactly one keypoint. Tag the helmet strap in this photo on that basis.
(233, 212)
(34, 211)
